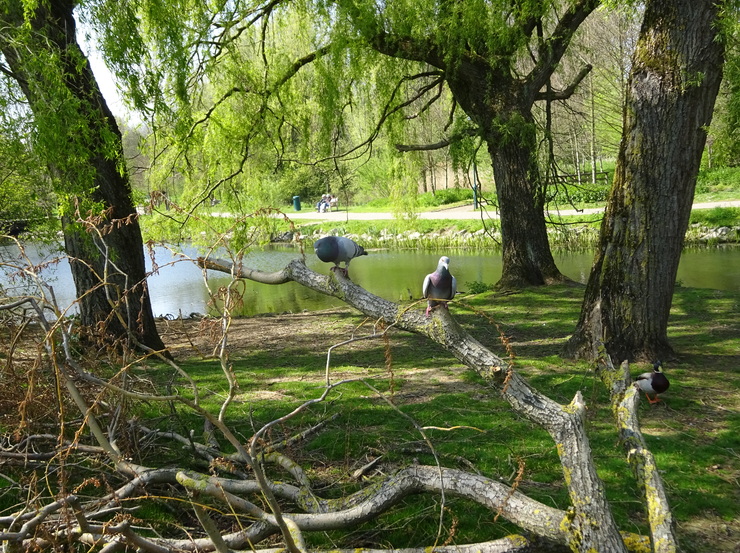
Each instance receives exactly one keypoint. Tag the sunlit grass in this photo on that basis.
(693, 432)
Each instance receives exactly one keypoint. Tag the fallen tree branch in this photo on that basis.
(587, 524)
(590, 525)
(624, 401)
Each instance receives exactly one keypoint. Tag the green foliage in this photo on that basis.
(25, 191)
(426, 200)
(716, 217)
(718, 184)
(308, 182)
(373, 180)
(445, 197)
(300, 85)
(724, 133)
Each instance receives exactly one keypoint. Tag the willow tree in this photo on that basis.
(675, 76)
(244, 82)
(497, 58)
(77, 136)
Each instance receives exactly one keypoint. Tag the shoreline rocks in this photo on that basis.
(576, 237)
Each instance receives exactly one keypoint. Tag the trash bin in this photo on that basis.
(297, 203)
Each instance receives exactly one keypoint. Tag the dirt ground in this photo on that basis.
(317, 332)
(187, 336)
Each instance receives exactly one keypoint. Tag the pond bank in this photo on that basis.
(468, 234)
(462, 226)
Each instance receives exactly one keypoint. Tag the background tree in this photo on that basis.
(77, 136)
(675, 76)
(583, 132)
(479, 51)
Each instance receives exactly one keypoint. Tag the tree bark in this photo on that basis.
(107, 257)
(526, 255)
(624, 399)
(675, 76)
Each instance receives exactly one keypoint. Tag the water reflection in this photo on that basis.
(178, 285)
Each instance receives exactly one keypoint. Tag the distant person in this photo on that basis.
(333, 202)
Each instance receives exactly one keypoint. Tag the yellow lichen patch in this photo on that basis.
(517, 540)
(636, 543)
(192, 481)
(566, 523)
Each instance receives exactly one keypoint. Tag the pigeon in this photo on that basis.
(653, 382)
(334, 249)
(439, 285)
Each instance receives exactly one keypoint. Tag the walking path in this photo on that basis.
(463, 212)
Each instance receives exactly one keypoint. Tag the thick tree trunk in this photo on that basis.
(526, 255)
(487, 84)
(676, 71)
(508, 128)
(107, 262)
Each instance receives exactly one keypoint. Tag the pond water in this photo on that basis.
(178, 286)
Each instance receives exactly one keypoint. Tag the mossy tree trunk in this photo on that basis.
(675, 76)
(501, 107)
(526, 255)
(78, 134)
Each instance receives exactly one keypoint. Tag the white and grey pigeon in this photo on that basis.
(336, 249)
(439, 285)
(654, 382)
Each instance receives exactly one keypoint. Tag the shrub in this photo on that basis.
(716, 217)
(724, 179)
(584, 193)
(478, 287)
(445, 197)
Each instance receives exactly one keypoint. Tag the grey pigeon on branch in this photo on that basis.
(335, 249)
(439, 285)
(653, 383)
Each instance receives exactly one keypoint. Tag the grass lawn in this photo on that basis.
(281, 362)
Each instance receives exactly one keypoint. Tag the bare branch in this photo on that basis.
(439, 145)
(332, 514)
(554, 47)
(277, 277)
(567, 92)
